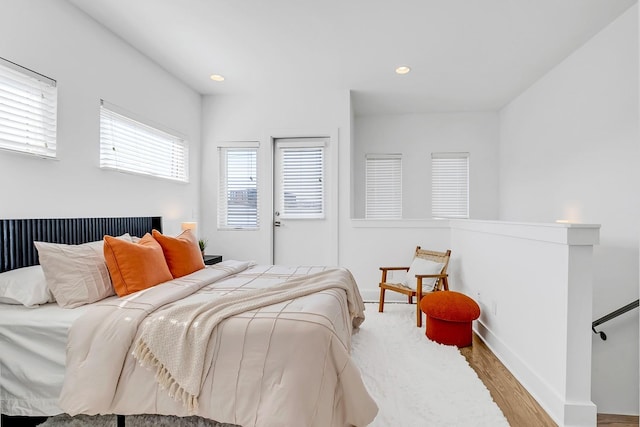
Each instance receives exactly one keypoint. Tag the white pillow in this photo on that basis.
(76, 274)
(423, 266)
(26, 286)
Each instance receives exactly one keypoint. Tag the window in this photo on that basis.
(450, 185)
(131, 146)
(383, 176)
(28, 110)
(238, 195)
(301, 179)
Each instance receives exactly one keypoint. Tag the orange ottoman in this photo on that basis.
(449, 317)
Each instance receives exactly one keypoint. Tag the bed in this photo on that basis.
(269, 361)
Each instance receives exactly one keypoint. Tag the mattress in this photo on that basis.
(32, 362)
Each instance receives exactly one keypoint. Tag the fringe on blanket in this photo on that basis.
(147, 359)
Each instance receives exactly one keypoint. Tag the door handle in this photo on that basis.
(276, 223)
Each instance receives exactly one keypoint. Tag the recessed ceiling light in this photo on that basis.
(217, 78)
(403, 70)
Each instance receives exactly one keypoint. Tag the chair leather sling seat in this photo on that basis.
(449, 317)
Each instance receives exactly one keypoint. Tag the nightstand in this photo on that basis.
(212, 259)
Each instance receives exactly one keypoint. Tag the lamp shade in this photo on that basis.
(189, 226)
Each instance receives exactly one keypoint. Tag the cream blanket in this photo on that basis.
(285, 364)
(175, 343)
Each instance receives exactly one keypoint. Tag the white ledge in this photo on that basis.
(562, 233)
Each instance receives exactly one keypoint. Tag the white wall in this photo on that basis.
(89, 63)
(366, 245)
(258, 117)
(416, 136)
(362, 246)
(533, 284)
(569, 150)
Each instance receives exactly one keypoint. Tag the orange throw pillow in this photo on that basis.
(135, 266)
(182, 253)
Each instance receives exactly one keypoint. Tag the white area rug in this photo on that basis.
(416, 382)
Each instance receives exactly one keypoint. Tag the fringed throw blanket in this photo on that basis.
(175, 343)
(97, 339)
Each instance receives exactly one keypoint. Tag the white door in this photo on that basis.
(302, 224)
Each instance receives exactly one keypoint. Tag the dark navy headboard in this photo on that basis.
(17, 235)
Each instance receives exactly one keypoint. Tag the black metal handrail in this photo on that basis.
(612, 315)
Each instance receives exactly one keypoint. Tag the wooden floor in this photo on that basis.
(617, 420)
(517, 405)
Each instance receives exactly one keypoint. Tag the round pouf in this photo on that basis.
(449, 317)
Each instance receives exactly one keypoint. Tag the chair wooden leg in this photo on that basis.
(381, 303)
(410, 299)
(419, 296)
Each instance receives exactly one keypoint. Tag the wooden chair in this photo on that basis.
(440, 284)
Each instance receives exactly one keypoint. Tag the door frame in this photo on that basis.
(331, 185)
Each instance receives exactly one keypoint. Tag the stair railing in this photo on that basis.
(612, 315)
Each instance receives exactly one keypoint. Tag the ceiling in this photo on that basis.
(465, 55)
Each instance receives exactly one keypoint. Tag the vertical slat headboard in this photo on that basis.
(17, 235)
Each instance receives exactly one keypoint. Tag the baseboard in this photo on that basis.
(565, 414)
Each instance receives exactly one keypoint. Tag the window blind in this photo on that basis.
(302, 181)
(238, 194)
(450, 185)
(131, 146)
(28, 111)
(383, 176)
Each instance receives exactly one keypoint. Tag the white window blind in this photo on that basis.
(131, 146)
(302, 181)
(450, 185)
(28, 111)
(238, 195)
(383, 186)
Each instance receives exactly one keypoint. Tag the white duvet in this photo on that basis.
(283, 364)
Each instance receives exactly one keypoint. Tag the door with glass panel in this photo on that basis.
(302, 224)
